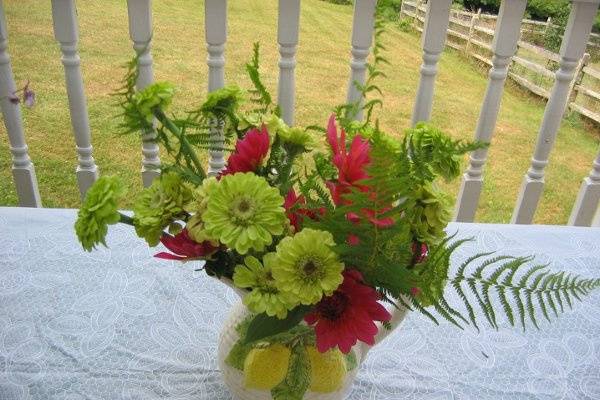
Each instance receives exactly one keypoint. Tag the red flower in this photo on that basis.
(351, 166)
(420, 252)
(292, 201)
(249, 152)
(184, 247)
(296, 211)
(347, 315)
(352, 169)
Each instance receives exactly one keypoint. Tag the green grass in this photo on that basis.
(322, 73)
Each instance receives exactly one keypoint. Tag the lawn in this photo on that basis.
(322, 72)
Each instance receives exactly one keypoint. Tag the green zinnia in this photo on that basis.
(244, 212)
(307, 267)
(430, 215)
(99, 210)
(296, 139)
(159, 205)
(223, 101)
(265, 297)
(195, 225)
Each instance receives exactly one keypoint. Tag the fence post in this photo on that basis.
(363, 26)
(504, 47)
(66, 32)
(573, 47)
(287, 36)
(572, 96)
(434, 35)
(215, 28)
(586, 204)
(416, 18)
(22, 167)
(548, 25)
(140, 32)
(474, 21)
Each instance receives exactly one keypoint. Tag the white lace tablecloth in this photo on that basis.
(119, 324)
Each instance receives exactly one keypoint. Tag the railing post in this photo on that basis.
(504, 46)
(588, 198)
(573, 46)
(474, 21)
(140, 31)
(435, 30)
(362, 37)
(287, 36)
(66, 32)
(22, 167)
(215, 23)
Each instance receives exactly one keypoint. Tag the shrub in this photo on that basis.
(405, 25)
(389, 9)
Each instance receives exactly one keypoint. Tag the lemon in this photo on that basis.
(265, 368)
(327, 370)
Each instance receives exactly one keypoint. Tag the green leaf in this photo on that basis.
(263, 326)
(237, 355)
(297, 380)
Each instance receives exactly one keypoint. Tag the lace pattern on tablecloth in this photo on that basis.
(119, 324)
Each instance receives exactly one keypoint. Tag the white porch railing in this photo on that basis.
(437, 18)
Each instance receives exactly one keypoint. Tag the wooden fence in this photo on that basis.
(533, 67)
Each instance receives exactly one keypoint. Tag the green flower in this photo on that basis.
(223, 101)
(264, 297)
(307, 267)
(159, 205)
(195, 225)
(99, 210)
(157, 95)
(273, 123)
(430, 215)
(197, 231)
(296, 139)
(244, 212)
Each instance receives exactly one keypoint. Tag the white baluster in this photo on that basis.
(287, 36)
(362, 38)
(22, 167)
(434, 40)
(588, 198)
(508, 29)
(573, 46)
(140, 32)
(215, 21)
(66, 32)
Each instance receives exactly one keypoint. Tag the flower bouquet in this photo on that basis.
(329, 234)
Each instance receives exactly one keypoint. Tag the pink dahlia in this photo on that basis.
(347, 315)
(249, 152)
(184, 248)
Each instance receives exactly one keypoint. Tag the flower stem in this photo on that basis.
(187, 148)
(125, 219)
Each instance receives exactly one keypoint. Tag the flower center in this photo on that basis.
(242, 210)
(244, 206)
(310, 268)
(332, 307)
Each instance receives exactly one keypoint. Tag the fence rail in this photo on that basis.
(533, 68)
